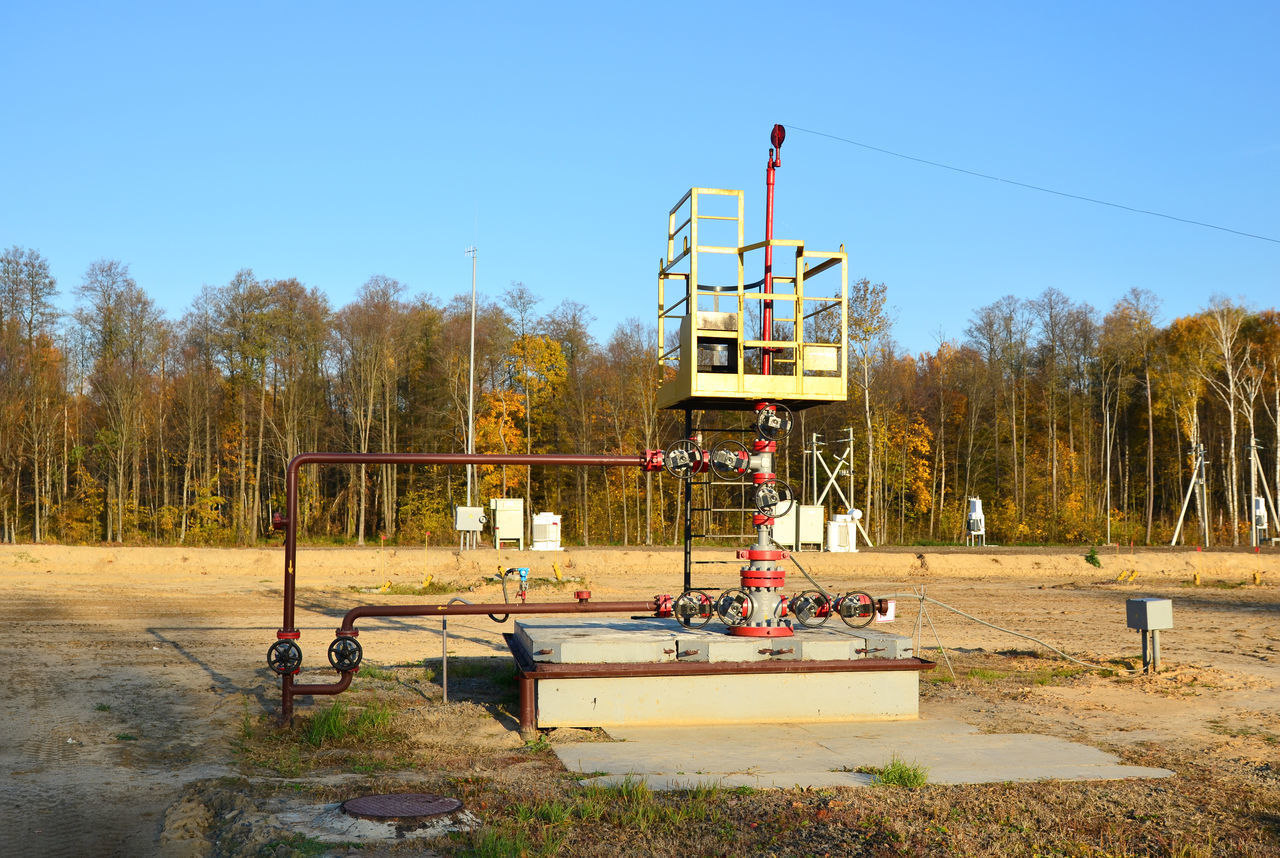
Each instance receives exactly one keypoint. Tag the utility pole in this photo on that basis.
(471, 374)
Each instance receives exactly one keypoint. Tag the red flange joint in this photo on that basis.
(764, 578)
(288, 635)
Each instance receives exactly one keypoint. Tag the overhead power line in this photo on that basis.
(1031, 187)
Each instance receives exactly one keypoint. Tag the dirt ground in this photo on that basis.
(130, 671)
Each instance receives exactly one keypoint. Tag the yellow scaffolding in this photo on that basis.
(709, 334)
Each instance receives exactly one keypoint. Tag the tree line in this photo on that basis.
(119, 424)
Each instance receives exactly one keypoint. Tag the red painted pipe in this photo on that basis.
(288, 632)
(766, 312)
(468, 609)
(296, 463)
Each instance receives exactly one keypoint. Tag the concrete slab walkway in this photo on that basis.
(817, 755)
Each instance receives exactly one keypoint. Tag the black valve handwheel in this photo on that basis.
(693, 609)
(774, 498)
(682, 459)
(729, 459)
(345, 653)
(773, 423)
(285, 657)
(810, 609)
(857, 609)
(734, 606)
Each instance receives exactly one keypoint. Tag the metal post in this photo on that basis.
(688, 511)
(444, 657)
(471, 374)
(1204, 497)
(1253, 492)
(1155, 650)
(814, 450)
(848, 454)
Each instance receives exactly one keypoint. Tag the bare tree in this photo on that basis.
(363, 346)
(868, 323)
(122, 324)
(1142, 306)
(27, 289)
(1223, 321)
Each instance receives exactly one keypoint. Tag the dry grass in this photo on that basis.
(531, 807)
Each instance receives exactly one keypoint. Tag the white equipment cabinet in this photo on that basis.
(799, 526)
(842, 532)
(507, 515)
(546, 532)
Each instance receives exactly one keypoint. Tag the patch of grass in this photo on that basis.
(473, 668)
(1242, 731)
(338, 723)
(982, 674)
(372, 671)
(1048, 675)
(501, 843)
(538, 744)
(553, 812)
(126, 737)
(433, 588)
(1092, 557)
(897, 772)
(102, 707)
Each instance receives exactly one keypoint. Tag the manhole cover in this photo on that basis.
(400, 805)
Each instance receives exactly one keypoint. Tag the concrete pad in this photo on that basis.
(607, 640)
(816, 755)
(598, 641)
(731, 698)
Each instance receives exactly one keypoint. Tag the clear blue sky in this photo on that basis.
(332, 142)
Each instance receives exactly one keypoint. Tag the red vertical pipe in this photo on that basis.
(766, 314)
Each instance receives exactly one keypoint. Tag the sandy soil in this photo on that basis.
(130, 670)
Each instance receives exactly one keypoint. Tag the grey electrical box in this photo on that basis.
(469, 519)
(508, 521)
(1149, 614)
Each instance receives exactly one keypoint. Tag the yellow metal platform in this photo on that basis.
(710, 336)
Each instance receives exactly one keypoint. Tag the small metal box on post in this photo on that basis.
(1150, 616)
(468, 521)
